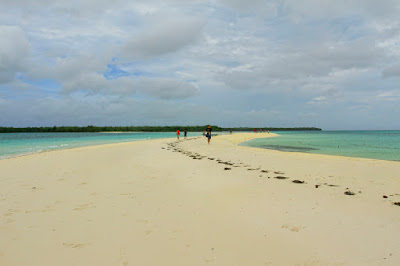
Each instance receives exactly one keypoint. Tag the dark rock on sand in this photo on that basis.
(298, 181)
(384, 196)
(264, 171)
(281, 177)
(397, 203)
(350, 193)
(227, 168)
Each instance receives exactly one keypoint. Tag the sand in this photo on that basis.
(163, 202)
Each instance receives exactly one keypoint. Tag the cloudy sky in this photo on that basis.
(333, 64)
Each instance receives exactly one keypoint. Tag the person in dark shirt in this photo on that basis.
(208, 134)
(185, 133)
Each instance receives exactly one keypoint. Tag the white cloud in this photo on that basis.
(166, 88)
(391, 95)
(14, 49)
(393, 71)
(165, 37)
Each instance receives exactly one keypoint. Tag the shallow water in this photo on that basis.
(384, 145)
(15, 144)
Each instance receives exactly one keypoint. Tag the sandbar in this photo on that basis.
(169, 202)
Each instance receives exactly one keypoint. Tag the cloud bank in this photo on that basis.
(329, 64)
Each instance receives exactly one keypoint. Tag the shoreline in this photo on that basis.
(70, 148)
(238, 142)
(194, 204)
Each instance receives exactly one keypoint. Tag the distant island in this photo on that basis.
(144, 129)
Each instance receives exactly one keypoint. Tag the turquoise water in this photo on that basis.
(14, 144)
(384, 145)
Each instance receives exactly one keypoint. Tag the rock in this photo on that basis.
(316, 186)
(350, 193)
(281, 177)
(384, 196)
(264, 171)
(298, 181)
(227, 168)
(396, 203)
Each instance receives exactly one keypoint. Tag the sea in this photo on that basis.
(383, 145)
(17, 144)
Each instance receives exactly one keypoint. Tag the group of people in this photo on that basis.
(260, 130)
(206, 133)
(178, 133)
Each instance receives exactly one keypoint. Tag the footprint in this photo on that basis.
(292, 228)
(84, 206)
(74, 245)
(122, 257)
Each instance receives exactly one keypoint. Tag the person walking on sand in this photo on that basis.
(178, 133)
(208, 134)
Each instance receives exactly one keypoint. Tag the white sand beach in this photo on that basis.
(169, 202)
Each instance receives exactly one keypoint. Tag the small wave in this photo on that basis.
(57, 146)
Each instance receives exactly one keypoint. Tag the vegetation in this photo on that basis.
(143, 129)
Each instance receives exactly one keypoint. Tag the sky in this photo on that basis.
(280, 63)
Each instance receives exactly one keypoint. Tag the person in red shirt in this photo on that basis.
(177, 133)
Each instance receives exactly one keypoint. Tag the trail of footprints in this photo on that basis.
(173, 146)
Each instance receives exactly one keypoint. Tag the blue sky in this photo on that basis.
(278, 63)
